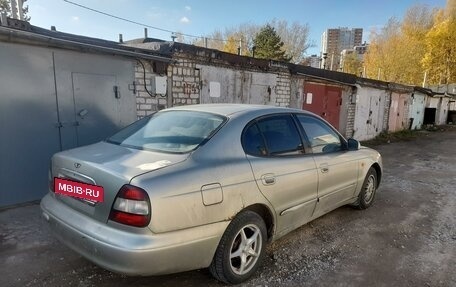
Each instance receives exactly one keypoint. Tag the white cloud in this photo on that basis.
(188, 8)
(75, 18)
(184, 20)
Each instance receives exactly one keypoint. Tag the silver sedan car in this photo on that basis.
(204, 186)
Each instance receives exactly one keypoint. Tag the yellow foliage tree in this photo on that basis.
(440, 57)
(383, 58)
(231, 45)
(395, 54)
(352, 65)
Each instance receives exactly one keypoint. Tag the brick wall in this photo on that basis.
(387, 110)
(283, 90)
(351, 111)
(146, 104)
(406, 115)
(186, 82)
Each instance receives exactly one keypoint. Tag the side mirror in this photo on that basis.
(353, 144)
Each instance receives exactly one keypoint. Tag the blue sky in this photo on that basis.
(201, 17)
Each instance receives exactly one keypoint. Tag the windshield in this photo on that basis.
(171, 131)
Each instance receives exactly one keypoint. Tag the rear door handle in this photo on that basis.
(268, 179)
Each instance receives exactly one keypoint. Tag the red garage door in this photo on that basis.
(324, 101)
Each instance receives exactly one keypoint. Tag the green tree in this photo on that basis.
(295, 37)
(268, 45)
(6, 8)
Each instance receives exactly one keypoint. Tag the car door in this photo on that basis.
(337, 167)
(285, 174)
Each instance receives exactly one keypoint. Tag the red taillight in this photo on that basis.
(132, 192)
(129, 218)
(131, 207)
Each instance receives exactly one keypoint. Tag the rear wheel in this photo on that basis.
(367, 194)
(241, 249)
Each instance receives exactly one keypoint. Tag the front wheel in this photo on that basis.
(367, 194)
(241, 249)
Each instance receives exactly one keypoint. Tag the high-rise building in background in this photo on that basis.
(333, 41)
(311, 61)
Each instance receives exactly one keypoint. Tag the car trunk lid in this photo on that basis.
(107, 165)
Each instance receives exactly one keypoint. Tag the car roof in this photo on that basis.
(230, 109)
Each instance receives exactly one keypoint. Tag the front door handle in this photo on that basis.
(268, 179)
(324, 167)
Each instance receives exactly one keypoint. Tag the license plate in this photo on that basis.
(78, 189)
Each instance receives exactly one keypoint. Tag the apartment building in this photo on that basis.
(333, 41)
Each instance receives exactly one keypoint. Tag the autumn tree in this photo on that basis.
(6, 8)
(230, 40)
(381, 56)
(395, 53)
(295, 37)
(212, 41)
(231, 45)
(352, 64)
(268, 45)
(440, 58)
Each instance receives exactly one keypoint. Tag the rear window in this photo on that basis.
(171, 131)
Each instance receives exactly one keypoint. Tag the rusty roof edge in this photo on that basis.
(423, 90)
(33, 36)
(171, 48)
(325, 79)
(396, 87)
(321, 74)
(372, 83)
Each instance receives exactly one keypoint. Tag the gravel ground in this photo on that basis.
(407, 238)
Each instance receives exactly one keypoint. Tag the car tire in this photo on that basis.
(368, 191)
(241, 249)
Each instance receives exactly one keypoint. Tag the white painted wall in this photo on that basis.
(442, 111)
(417, 104)
(452, 106)
(442, 104)
(370, 109)
(238, 86)
(432, 102)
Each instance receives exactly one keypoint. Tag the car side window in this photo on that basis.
(281, 135)
(322, 138)
(253, 142)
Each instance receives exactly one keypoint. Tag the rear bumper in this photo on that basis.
(131, 253)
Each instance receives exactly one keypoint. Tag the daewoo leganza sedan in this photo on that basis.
(204, 186)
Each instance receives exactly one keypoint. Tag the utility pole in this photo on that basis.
(424, 79)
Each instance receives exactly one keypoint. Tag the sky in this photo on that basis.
(202, 17)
